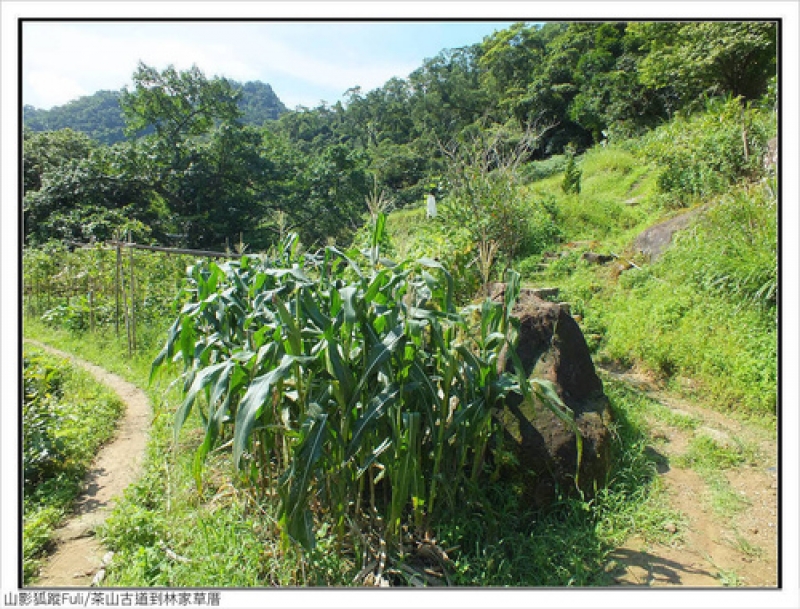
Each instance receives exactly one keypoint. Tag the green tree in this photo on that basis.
(709, 58)
(48, 151)
(177, 104)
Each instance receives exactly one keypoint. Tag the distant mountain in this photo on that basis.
(100, 117)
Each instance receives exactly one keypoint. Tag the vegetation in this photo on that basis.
(238, 529)
(223, 179)
(66, 416)
(333, 409)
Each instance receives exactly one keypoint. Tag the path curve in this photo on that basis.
(78, 555)
(740, 549)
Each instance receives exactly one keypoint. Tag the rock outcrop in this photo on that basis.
(654, 241)
(552, 347)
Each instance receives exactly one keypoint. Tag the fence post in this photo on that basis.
(133, 299)
(117, 283)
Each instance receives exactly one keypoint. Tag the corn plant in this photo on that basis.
(347, 385)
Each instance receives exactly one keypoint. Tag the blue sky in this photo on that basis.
(305, 62)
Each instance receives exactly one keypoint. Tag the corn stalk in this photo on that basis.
(333, 381)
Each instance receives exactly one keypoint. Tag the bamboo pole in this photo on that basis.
(91, 307)
(117, 282)
(133, 302)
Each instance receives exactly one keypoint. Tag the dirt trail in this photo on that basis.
(78, 555)
(735, 545)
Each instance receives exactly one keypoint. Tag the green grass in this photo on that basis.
(705, 311)
(165, 533)
(83, 418)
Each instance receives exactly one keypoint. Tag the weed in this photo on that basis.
(706, 454)
(66, 417)
(751, 551)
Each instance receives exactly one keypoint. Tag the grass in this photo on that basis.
(83, 418)
(166, 534)
(674, 318)
(706, 310)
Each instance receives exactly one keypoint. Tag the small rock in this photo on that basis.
(670, 528)
(99, 577)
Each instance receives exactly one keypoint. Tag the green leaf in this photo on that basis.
(339, 370)
(249, 408)
(202, 379)
(294, 338)
(348, 295)
(373, 456)
(376, 409)
(306, 455)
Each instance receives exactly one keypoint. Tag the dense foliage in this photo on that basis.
(330, 378)
(210, 175)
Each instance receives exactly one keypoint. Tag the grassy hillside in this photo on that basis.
(703, 316)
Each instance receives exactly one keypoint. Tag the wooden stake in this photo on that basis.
(133, 303)
(117, 287)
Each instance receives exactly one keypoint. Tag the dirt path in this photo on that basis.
(728, 535)
(78, 555)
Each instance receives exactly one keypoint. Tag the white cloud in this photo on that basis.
(305, 62)
(52, 89)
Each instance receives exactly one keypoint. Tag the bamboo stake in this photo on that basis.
(133, 302)
(91, 306)
(117, 287)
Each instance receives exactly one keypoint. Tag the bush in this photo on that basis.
(42, 449)
(703, 154)
(572, 176)
(539, 170)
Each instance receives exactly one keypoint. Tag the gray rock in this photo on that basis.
(654, 241)
(552, 347)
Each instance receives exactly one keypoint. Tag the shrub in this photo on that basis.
(572, 176)
(42, 449)
(703, 154)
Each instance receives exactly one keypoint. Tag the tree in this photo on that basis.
(709, 58)
(48, 151)
(93, 197)
(178, 104)
(483, 198)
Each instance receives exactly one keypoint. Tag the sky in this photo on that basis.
(306, 63)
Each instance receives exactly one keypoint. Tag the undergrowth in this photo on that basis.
(67, 416)
(165, 533)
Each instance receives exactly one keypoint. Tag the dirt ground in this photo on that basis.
(78, 557)
(710, 549)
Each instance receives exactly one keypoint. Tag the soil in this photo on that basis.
(78, 557)
(709, 549)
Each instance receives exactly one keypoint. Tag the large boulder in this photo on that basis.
(654, 241)
(552, 347)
